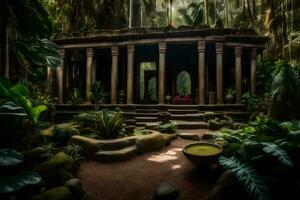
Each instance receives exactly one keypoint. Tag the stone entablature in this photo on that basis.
(153, 35)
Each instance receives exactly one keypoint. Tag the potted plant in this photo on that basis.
(229, 95)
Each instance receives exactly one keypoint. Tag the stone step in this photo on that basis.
(146, 114)
(147, 110)
(182, 111)
(180, 124)
(146, 119)
(189, 117)
(116, 155)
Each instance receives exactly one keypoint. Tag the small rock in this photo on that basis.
(189, 136)
(165, 191)
(207, 136)
(75, 185)
(209, 115)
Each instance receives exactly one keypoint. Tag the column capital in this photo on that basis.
(162, 47)
(238, 50)
(115, 51)
(201, 46)
(130, 48)
(61, 52)
(253, 53)
(90, 52)
(219, 47)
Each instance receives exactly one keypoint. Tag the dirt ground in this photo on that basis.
(138, 178)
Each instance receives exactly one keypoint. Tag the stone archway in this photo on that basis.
(183, 83)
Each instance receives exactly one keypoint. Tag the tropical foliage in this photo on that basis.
(256, 152)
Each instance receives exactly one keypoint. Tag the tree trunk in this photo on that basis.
(4, 44)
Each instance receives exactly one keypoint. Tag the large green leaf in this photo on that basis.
(10, 184)
(10, 157)
(19, 95)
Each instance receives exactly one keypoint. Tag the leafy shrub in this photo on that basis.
(75, 96)
(254, 152)
(109, 124)
(86, 119)
(170, 127)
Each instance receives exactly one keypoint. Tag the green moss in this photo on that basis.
(150, 142)
(35, 152)
(214, 125)
(59, 160)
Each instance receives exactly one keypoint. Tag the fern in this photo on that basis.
(278, 152)
(247, 176)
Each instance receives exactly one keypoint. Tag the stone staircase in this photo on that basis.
(186, 116)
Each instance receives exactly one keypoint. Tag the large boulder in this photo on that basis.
(116, 155)
(209, 115)
(89, 145)
(59, 160)
(58, 193)
(149, 142)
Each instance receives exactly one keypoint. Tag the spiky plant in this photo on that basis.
(109, 124)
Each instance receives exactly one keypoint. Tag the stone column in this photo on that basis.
(60, 75)
(114, 74)
(89, 65)
(130, 69)
(201, 71)
(219, 72)
(253, 70)
(238, 74)
(49, 80)
(161, 75)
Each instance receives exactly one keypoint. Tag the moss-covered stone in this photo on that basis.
(116, 155)
(168, 138)
(214, 125)
(89, 145)
(58, 193)
(35, 153)
(116, 144)
(149, 142)
(209, 115)
(59, 160)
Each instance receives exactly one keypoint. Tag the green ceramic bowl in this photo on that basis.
(202, 154)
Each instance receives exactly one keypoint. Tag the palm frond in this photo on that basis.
(276, 151)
